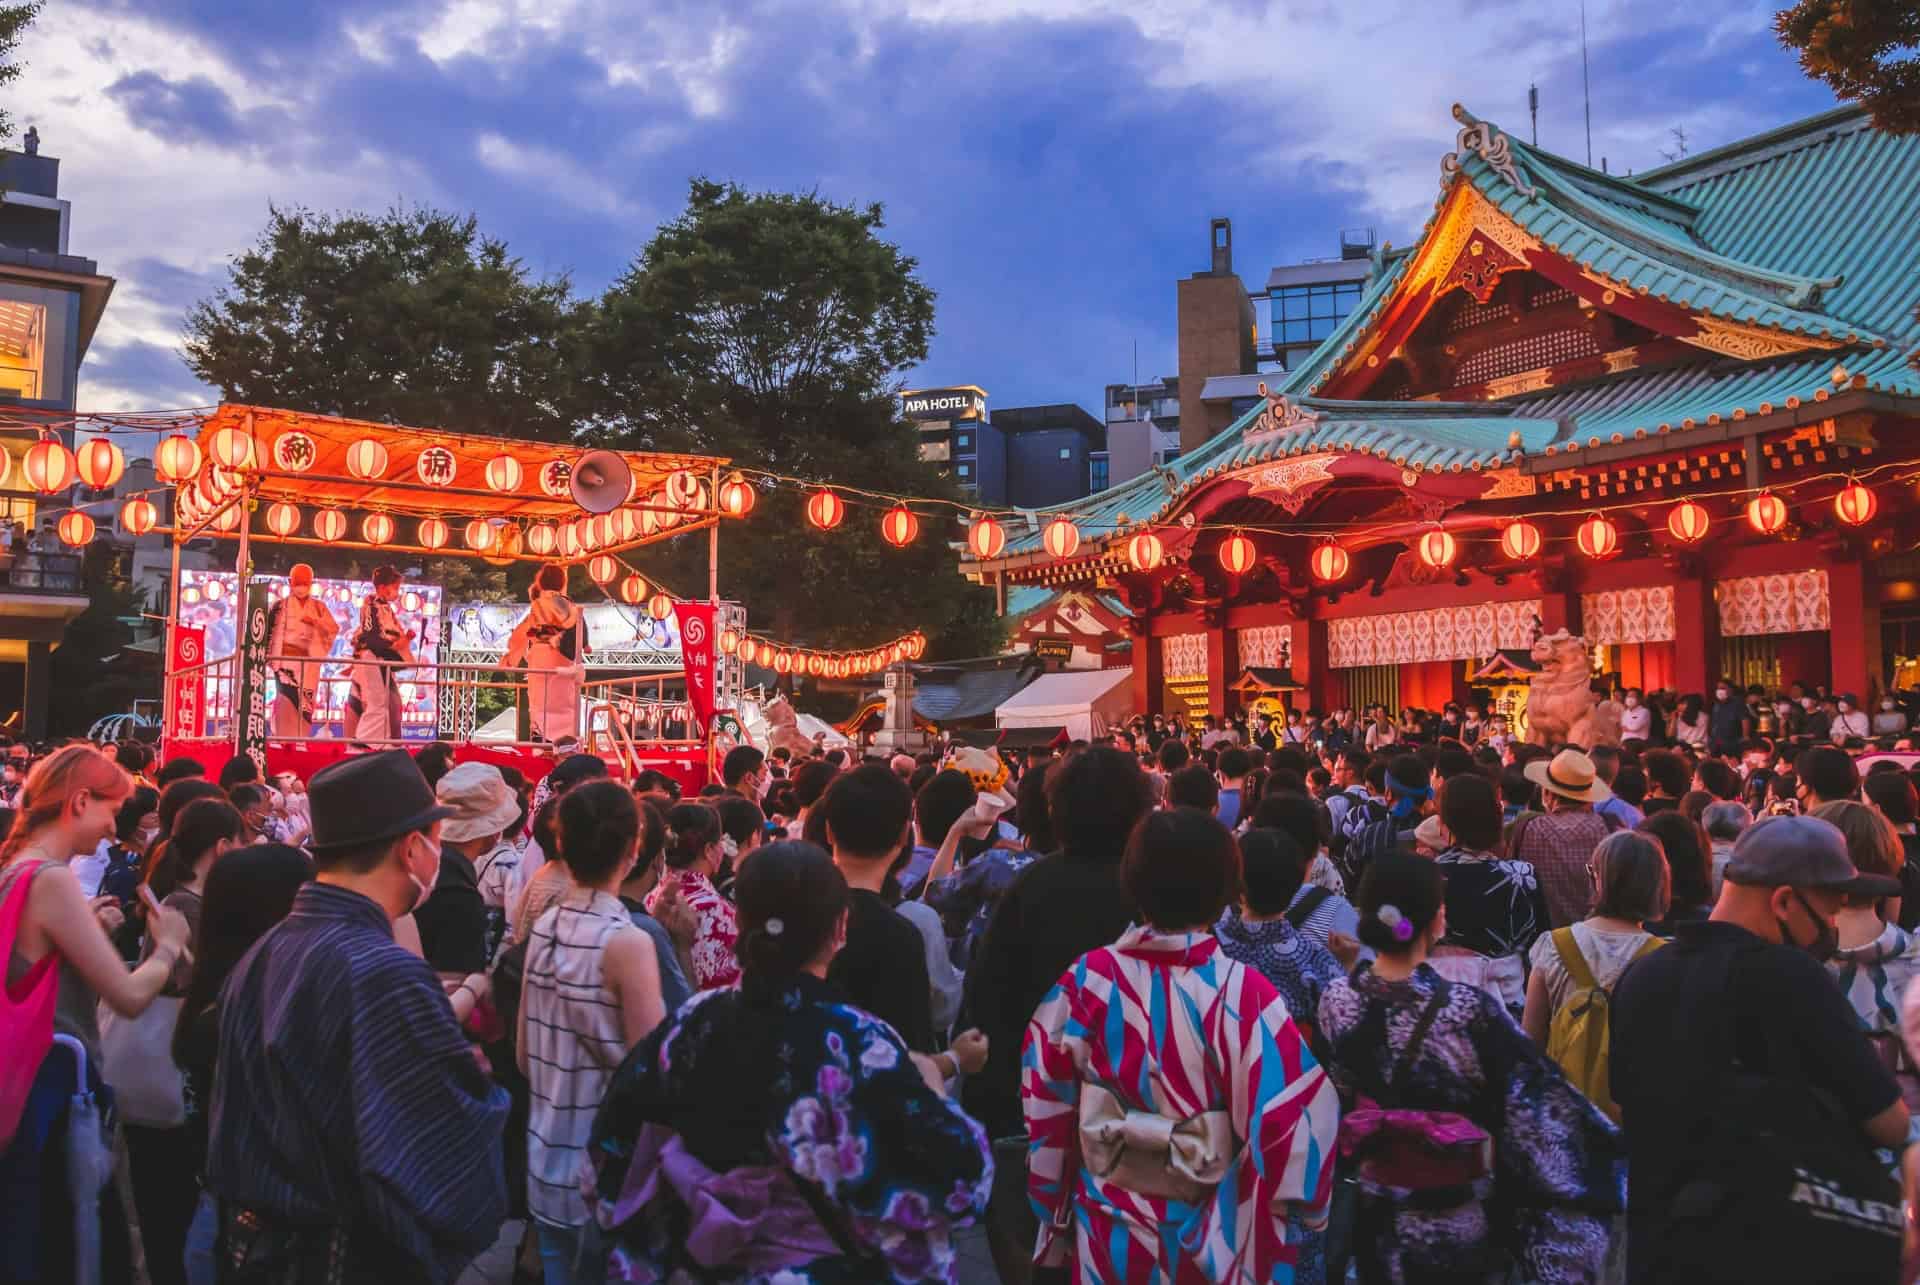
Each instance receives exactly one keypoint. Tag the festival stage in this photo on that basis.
(686, 765)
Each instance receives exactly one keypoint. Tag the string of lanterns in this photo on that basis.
(782, 658)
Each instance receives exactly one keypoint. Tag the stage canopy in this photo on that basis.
(1087, 702)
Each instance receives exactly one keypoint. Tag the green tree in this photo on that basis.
(14, 21)
(1867, 50)
(411, 317)
(773, 328)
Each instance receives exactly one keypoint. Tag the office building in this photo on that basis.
(1018, 457)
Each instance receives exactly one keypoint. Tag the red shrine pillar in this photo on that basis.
(1148, 681)
(1853, 594)
(1310, 663)
(1696, 633)
(1222, 662)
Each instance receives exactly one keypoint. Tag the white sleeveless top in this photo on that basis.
(575, 1041)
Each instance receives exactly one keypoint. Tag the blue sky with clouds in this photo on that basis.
(1052, 164)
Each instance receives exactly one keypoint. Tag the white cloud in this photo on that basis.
(550, 171)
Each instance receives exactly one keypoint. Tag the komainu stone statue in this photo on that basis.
(1562, 708)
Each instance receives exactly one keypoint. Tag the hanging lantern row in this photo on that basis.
(820, 664)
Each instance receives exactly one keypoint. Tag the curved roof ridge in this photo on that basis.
(1756, 148)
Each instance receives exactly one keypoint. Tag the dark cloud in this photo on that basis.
(194, 110)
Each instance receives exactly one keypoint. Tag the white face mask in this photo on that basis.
(422, 889)
(1721, 694)
(1844, 707)
(1633, 702)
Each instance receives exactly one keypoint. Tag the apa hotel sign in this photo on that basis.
(963, 402)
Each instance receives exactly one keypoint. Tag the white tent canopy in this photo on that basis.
(1087, 702)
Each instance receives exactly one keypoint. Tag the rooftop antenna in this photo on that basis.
(1533, 109)
(1586, 86)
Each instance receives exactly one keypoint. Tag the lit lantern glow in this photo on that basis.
(683, 489)
(504, 473)
(1520, 541)
(626, 526)
(76, 529)
(898, 526)
(1237, 554)
(825, 509)
(602, 569)
(229, 519)
(660, 606)
(1597, 536)
(99, 463)
(633, 589)
(1688, 522)
(176, 459)
(411, 602)
(542, 538)
(568, 544)
(1438, 549)
(376, 528)
(330, 524)
(1855, 505)
(749, 651)
(436, 466)
(1767, 513)
(986, 537)
(736, 497)
(783, 661)
(1145, 551)
(283, 519)
(729, 641)
(48, 466)
(605, 528)
(294, 452)
(916, 644)
(232, 448)
(433, 533)
(367, 460)
(1061, 538)
(1329, 563)
(480, 535)
(584, 535)
(216, 590)
(816, 664)
(138, 516)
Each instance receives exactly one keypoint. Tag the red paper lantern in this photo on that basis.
(1061, 537)
(1597, 536)
(1145, 551)
(99, 463)
(433, 533)
(736, 497)
(682, 488)
(480, 535)
(542, 538)
(1438, 549)
(283, 519)
(816, 664)
(986, 537)
(1329, 563)
(660, 606)
(633, 589)
(376, 528)
(1855, 505)
(729, 641)
(367, 460)
(1766, 513)
(602, 569)
(1238, 554)
(76, 529)
(916, 644)
(783, 661)
(176, 459)
(749, 651)
(825, 509)
(898, 526)
(229, 519)
(138, 516)
(504, 473)
(48, 466)
(1521, 540)
(232, 448)
(330, 524)
(1688, 522)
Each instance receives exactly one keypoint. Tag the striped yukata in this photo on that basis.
(1168, 1024)
(575, 1041)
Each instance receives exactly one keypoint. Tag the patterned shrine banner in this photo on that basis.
(1183, 656)
(1260, 648)
(1446, 633)
(1796, 602)
(1641, 615)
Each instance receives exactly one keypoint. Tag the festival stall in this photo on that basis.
(1087, 703)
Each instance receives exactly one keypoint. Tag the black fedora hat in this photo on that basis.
(368, 799)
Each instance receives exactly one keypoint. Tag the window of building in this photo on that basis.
(1066, 452)
(1308, 314)
(34, 341)
(1167, 456)
(963, 441)
(1098, 467)
(964, 470)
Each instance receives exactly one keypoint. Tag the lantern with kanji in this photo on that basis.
(825, 509)
(1329, 562)
(898, 526)
(283, 519)
(376, 528)
(330, 524)
(1855, 505)
(1767, 513)
(1061, 538)
(138, 516)
(1520, 541)
(99, 463)
(436, 466)
(294, 452)
(1438, 548)
(736, 497)
(76, 529)
(232, 448)
(602, 569)
(633, 589)
(480, 535)
(1145, 551)
(660, 606)
(1688, 522)
(986, 537)
(176, 459)
(729, 641)
(433, 533)
(683, 489)
(1237, 554)
(367, 459)
(1597, 536)
(504, 473)
(48, 466)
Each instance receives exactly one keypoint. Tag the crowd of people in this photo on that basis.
(1226, 1003)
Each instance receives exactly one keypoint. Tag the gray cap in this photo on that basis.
(1801, 852)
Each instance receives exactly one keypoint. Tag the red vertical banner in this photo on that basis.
(189, 651)
(697, 658)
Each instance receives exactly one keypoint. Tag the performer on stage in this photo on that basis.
(374, 707)
(299, 625)
(548, 637)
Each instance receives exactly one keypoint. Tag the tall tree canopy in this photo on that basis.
(411, 317)
(1868, 50)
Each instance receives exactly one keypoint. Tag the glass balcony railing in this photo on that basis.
(40, 573)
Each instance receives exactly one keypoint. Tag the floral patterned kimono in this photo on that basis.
(715, 932)
(785, 1137)
(1171, 1026)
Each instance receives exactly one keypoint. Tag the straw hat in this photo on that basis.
(1571, 776)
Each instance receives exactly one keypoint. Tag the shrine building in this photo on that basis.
(1678, 413)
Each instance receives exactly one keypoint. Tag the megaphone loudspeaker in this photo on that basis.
(601, 481)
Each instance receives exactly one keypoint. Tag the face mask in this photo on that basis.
(1720, 694)
(1825, 941)
(1844, 707)
(1887, 705)
(1783, 709)
(1807, 704)
(422, 889)
(1633, 702)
